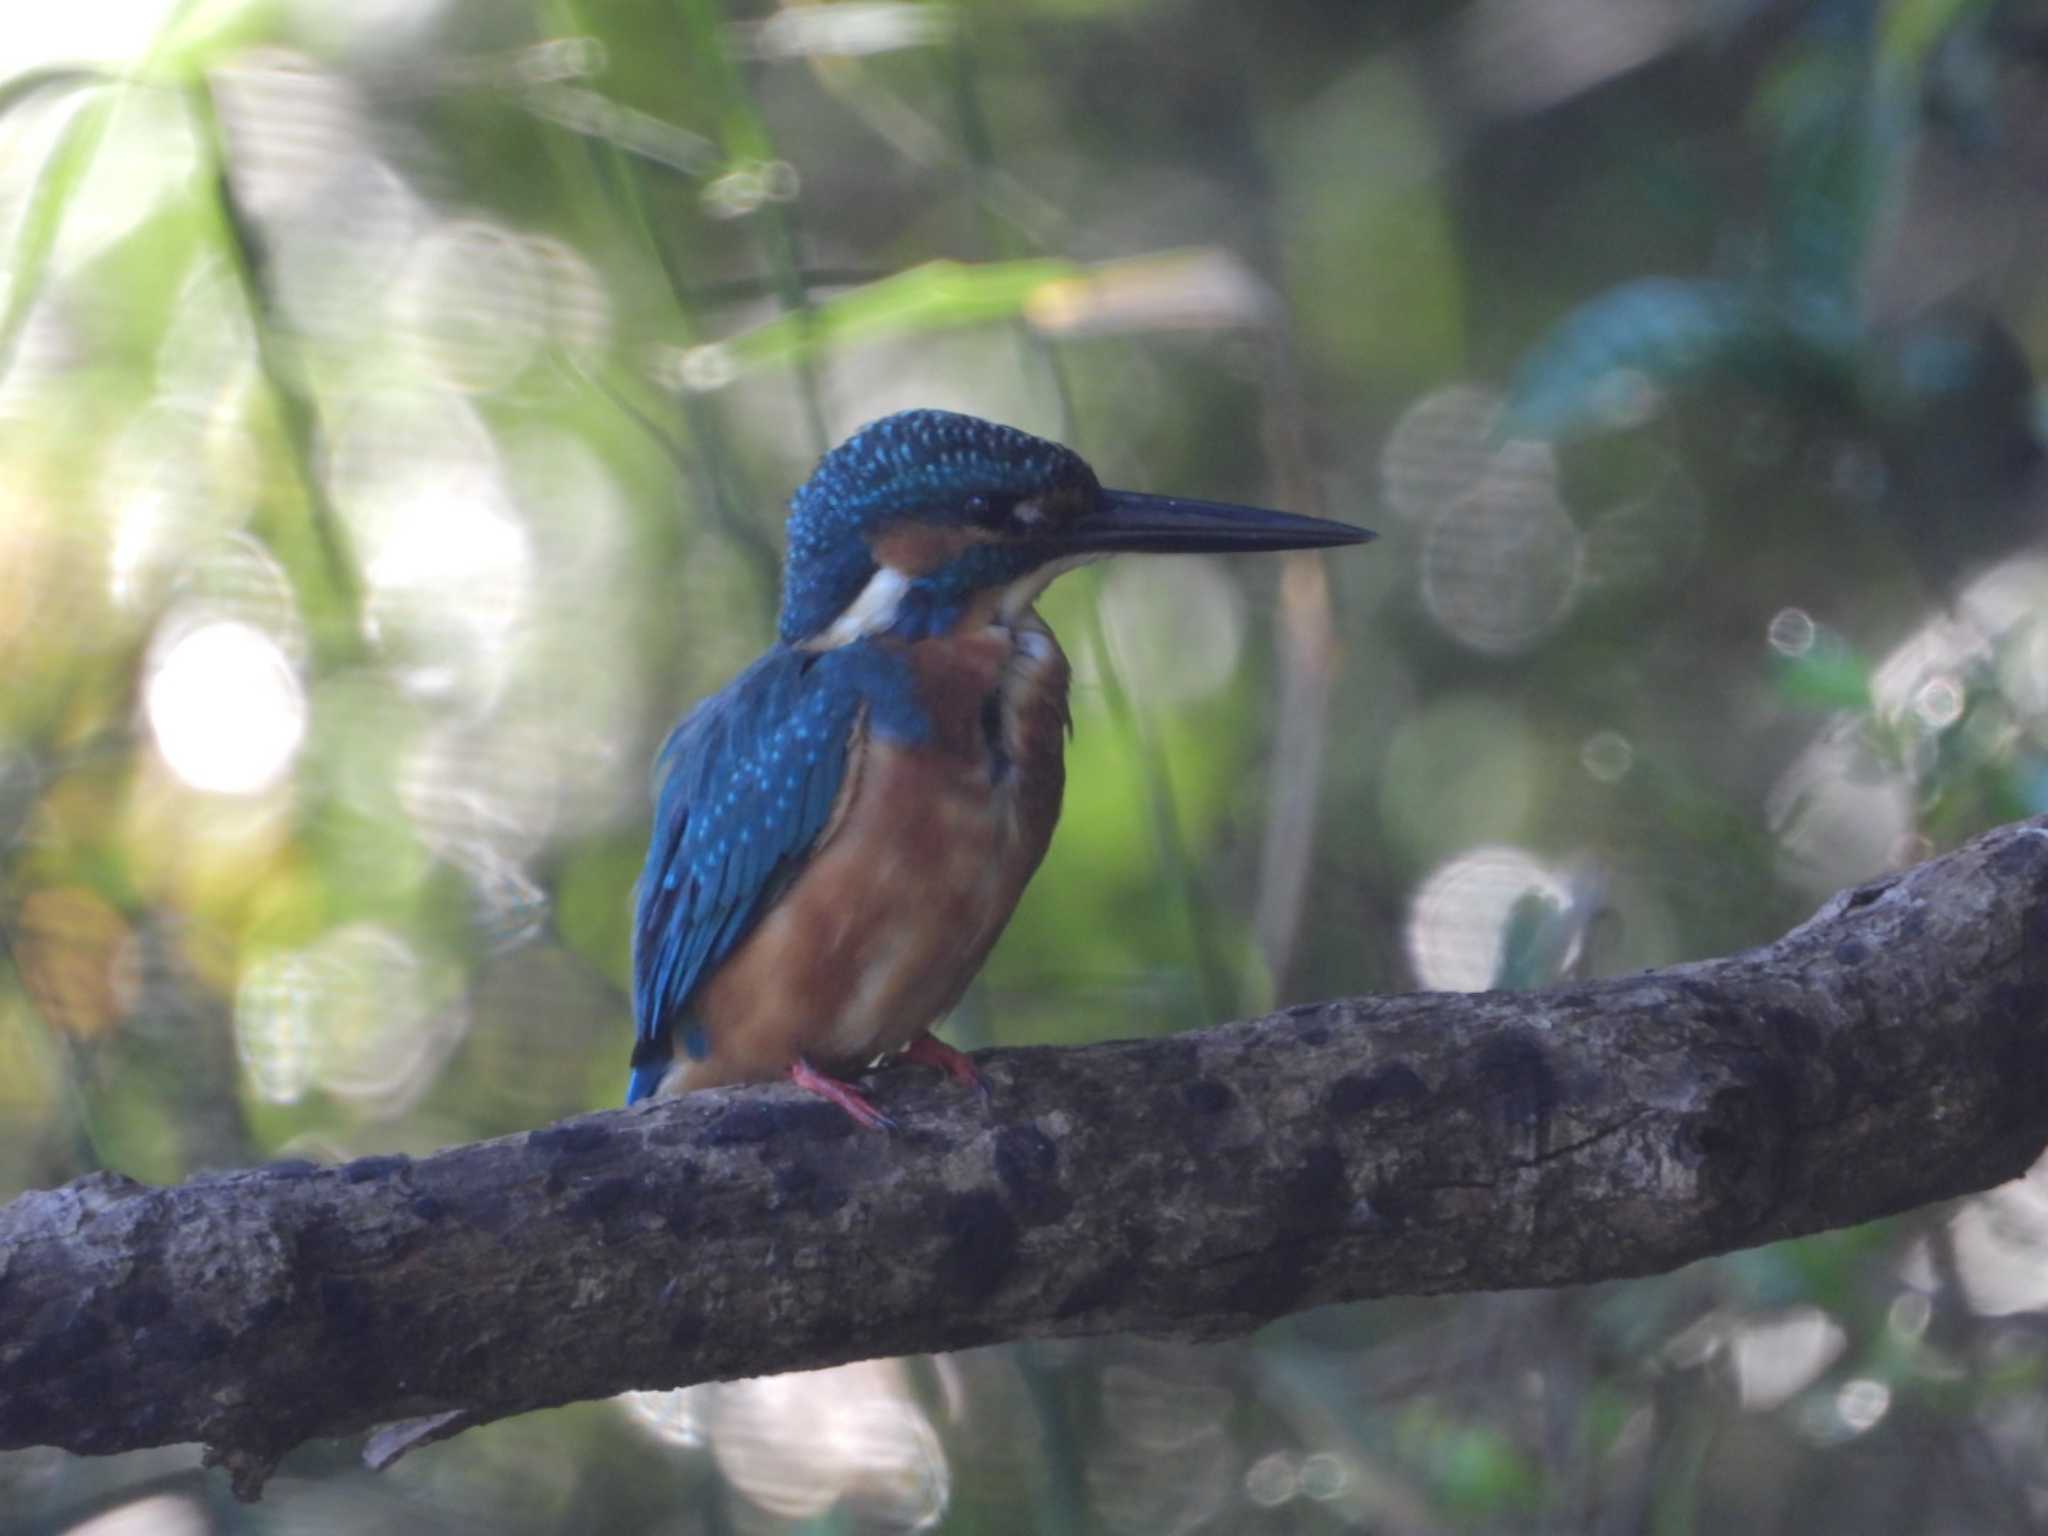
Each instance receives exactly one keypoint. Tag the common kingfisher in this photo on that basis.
(842, 832)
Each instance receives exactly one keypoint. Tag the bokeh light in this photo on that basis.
(449, 575)
(674, 1417)
(1922, 681)
(163, 500)
(2000, 1244)
(157, 1514)
(1466, 769)
(1500, 565)
(472, 303)
(1777, 1356)
(108, 30)
(1167, 1464)
(1272, 1480)
(1792, 632)
(227, 707)
(482, 792)
(340, 277)
(797, 1445)
(1607, 756)
(863, 27)
(1439, 450)
(1515, 61)
(1175, 630)
(445, 552)
(1460, 914)
(578, 307)
(296, 128)
(1841, 812)
(380, 27)
(360, 1013)
(276, 1034)
(1862, 1403)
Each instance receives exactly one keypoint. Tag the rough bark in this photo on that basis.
(1890, 1052)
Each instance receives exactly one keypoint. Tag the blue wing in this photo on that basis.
(747, 783)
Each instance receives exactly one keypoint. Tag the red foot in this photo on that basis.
(929, 1049)
(845, 1095)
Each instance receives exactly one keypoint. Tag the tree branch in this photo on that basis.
(1887, 1053)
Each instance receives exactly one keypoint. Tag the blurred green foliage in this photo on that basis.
(397, 405)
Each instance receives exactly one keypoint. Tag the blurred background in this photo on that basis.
(398, 404)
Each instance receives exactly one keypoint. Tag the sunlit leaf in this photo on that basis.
(61, 175)
(336, 623)
(939, 295)
(585, 111)
(200, 33)
(31, 83)
(1171, 290)
(846, 30)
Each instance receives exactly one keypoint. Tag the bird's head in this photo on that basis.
(918, 518)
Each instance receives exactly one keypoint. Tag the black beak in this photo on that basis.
(1130, 522)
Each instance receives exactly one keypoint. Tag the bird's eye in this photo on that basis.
(988, 511)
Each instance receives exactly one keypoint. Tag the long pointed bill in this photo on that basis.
(1130, 522)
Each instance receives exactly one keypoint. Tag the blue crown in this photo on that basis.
(915, 466)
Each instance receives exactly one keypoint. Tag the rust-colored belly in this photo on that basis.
(926, 856)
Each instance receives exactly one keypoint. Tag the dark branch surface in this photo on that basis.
(1890, 1052)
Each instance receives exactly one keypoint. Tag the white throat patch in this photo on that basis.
(869, 614)
(1020, 594)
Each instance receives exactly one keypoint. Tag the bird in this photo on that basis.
(842, 832)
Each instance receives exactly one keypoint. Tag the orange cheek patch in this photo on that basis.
(917, 549)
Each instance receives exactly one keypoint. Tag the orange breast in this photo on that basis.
(927, 852)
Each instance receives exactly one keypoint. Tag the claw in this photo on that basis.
(845, 1095)
(930, 1050)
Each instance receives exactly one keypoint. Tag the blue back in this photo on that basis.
(745, 785)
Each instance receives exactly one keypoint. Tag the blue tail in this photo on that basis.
(652, 1061)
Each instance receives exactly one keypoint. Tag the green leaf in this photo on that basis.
(31, 83)
(198, 34)
(936, 296)
(1841, 109)
(1829, 675)
(62, 173)
(1913, 29)
(1535, 943)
